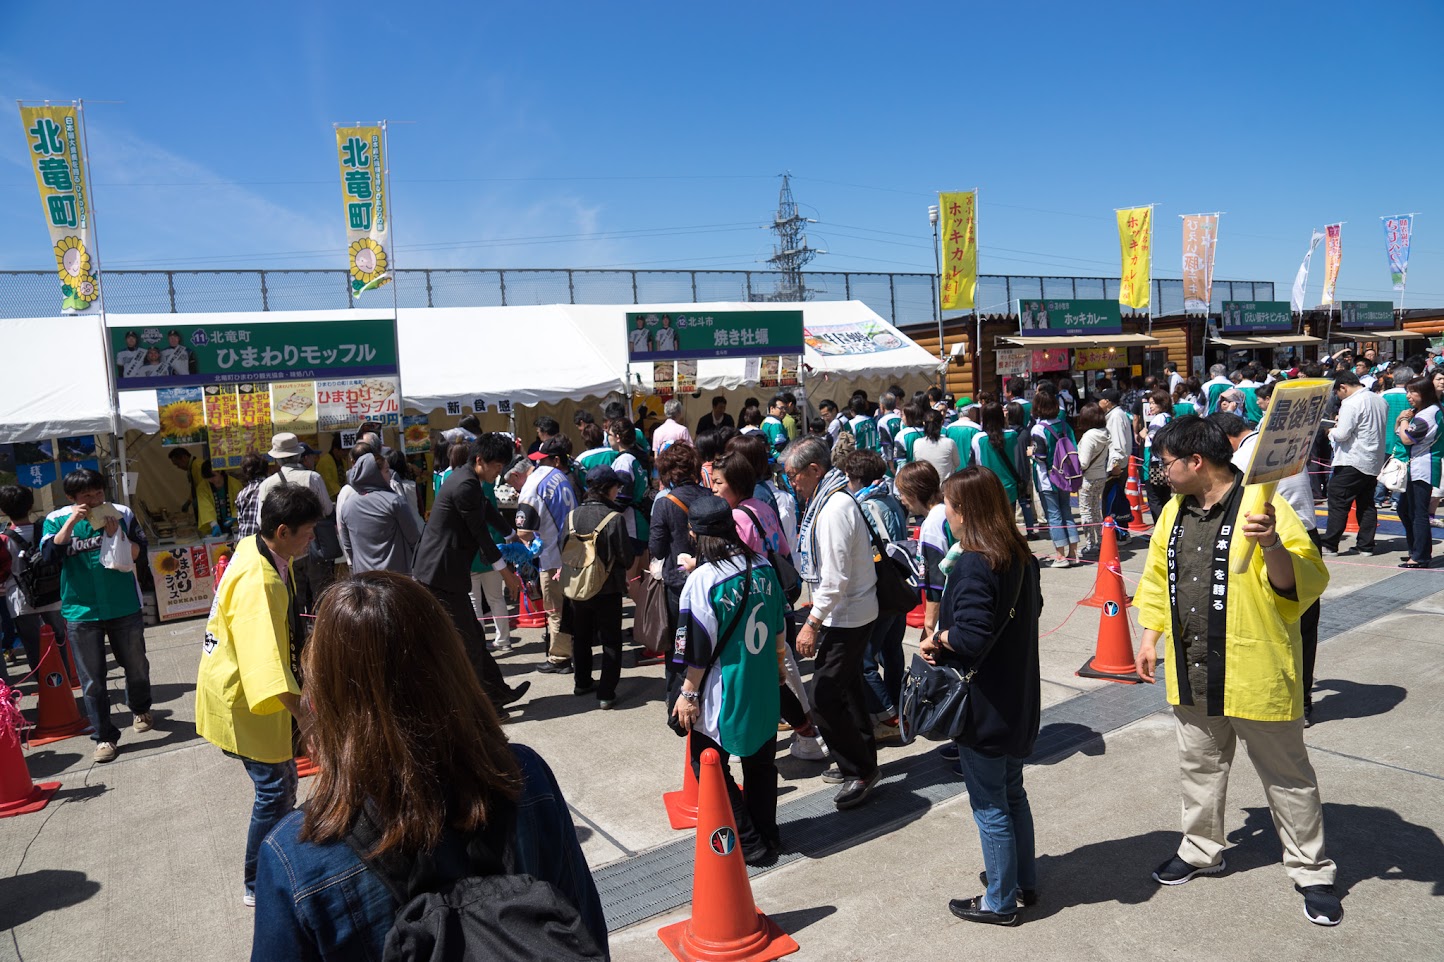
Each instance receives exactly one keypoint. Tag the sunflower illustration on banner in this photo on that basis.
(54, 135)
(361, 152)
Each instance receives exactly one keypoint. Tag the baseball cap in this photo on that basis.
(964, 402)
(602, 477)
(711, 515)
(550, 448)
(527, 518)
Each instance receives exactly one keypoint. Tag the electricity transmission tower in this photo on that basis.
(791, 253)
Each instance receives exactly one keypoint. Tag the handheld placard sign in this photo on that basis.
(1286, 437)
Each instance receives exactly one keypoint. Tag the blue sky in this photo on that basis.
(650, 135)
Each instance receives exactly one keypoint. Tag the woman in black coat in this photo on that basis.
(989, 622)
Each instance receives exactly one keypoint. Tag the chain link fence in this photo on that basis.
(904, 299)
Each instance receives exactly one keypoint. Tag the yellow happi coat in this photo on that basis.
(1263, 657)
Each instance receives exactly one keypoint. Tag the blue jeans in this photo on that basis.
(275, 798)
(1414, 513)
(127, 644)
(1030, 519)
(882, 664)
(1005, 826)
(1059, 508)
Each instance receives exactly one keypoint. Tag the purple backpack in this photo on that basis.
(1066, 472)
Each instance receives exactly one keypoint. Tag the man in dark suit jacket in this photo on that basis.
(719, 418)
(454, 534)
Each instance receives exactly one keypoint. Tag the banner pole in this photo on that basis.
(117, 429)
(395, 279)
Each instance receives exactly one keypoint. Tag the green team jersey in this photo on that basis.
(777, 436)
(962, 435)
(906, 438)
(595, 458)
(864, 429)
(89, 591)
(1002, 465)
(639, 526)
(741, 701)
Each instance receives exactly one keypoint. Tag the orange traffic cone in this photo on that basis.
(1134, 490)
(1113, 656)
(305, 768)
(47, 640)
(725, 925)
(18, 794)
(1107, 567)
(1352, 525)
(221, 564)
(528, 616)
(57, 716)
(682, 805)
(915, 617)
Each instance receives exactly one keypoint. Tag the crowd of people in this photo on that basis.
(725, 527)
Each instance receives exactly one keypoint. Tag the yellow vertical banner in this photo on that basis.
(960, 250)
(57, 156)
(1135, 239)
(361, 152)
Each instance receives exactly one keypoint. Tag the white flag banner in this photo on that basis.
(1301, 280)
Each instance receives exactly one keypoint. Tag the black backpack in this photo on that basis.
(463, 903)
(39, 579)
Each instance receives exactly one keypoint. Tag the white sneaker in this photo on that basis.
(104, 752)
(1059, 563)
(248, 900)
(809, 748)
(499, 646)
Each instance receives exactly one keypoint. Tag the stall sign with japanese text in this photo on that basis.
(149, 357)
(1048, 317)
(1286, 435)
(1014, 361)
(361, 152)
(54, 136)
(960, 250)
(1261, 317)
(1366, 315)
(1099, 358)
(671, 335)
(346, 403)
(183, 580)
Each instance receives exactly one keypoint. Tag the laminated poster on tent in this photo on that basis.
(347, 402)
(293, 407)
(686, 377)
(788, 368)
(767, 373)
(182, 414)
(416, 433)
(76, 452)
(664, 374)
(223, 421)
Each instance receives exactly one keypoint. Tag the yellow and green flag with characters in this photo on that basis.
(361, 152)
(56, 150)
(1135, 238)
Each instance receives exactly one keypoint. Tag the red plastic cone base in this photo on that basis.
(59, 735)
(682, 805)
(768, 942)
(1118, 673)
(305, 768)
(38, 798)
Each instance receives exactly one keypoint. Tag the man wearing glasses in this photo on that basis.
(1234, 644)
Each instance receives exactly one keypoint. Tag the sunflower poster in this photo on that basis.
(182, 415)
(361, 151)
(56, 145)
(416, 433)
(183, 581)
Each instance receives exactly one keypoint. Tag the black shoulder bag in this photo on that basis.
(787, 575)
(895, 591)
(934, 701)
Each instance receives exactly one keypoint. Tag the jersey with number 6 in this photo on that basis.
(740, 699)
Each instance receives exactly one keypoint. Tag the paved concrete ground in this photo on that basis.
(141, 858)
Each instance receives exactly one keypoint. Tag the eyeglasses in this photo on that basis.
(1168, 462)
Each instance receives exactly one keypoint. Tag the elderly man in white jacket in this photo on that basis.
(834, 554)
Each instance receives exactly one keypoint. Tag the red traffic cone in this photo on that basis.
(1113, 656)
(1107, 567)
(725, 925)
(527, 614)
(305, 768)
(18, 794)
(221, 564)
(682, 805)
(56, 714)
(47, 639)
(915, 617)
(1134, 490)
(1352, 525)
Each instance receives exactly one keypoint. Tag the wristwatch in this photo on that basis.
(1276, 546)
(813, 623)
(689, 695)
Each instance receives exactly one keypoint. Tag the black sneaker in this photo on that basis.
(1176, 871)
(761, 858)
(834, 776)
(949, 752)
(1029, 897)
(515, 694)
(855, 791)
(971, 910)
(555, 668)
(1321, 905)
(585, 687)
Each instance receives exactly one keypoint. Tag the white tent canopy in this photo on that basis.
(543, 354)
(54, 383)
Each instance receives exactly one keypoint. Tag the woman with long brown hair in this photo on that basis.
(415, 771)
(988, 625)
